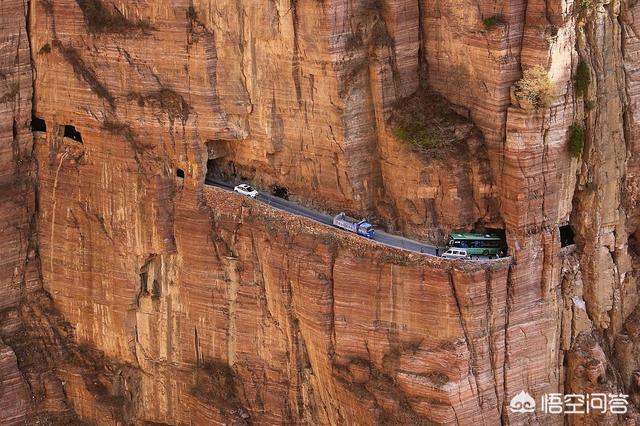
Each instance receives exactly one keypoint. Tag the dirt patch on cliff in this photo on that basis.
(379, 384)
(427, 123)
(165, 100)
(214, 383)
(124, 130)
(84, 72)
(390, 404)
(101, 19)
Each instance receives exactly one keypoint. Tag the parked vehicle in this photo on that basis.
(361, 227)
(477, 244)
(456, 253)
(247, 190)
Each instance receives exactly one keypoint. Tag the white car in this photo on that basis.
(456, 253)
(247, 190)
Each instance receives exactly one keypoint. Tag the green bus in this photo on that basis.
(477, 244)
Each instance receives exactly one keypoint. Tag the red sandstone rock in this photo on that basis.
(191, 305)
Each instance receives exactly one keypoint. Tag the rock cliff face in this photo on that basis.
(19, 263)
(132, 293)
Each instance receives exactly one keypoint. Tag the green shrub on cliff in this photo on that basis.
(576, 140)
(415, 134)
(492, 21)
(534, 90)
(583, 77)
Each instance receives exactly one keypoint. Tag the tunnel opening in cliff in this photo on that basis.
(211, 166)
(71, 133)
(567, 237)
(38, 124)
(504, 248)
(219, 165)
(223, 169)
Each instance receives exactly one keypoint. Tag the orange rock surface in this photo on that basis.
(130, 295)
(18, 257)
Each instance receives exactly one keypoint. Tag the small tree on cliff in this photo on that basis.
(583, 77)
(576, 139)
(534, 90)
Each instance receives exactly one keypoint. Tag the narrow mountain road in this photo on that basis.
(379, 236)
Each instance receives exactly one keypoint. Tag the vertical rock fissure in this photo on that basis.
(505, 366)
(241, 43)
(422, 62)
(53, 207)
(470, 347)
(489, 318)
(295, 58)
(332, 323)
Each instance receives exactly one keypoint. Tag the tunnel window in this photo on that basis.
(71, 133)
(38, 124)
(180, 173)
(280, 191)
(566, 236)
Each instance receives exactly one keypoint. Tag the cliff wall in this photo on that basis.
(135, 295)
(19, 265)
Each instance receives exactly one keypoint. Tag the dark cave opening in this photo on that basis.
(220, 168)
(496, 231)
(567, 236)
(71, 133)
(211, 166)
(144, 276)
(634, 244)
(180, 173)
(38, 124)
(155, 289)
(280, 192)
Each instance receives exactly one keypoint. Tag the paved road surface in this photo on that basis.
(379, 236)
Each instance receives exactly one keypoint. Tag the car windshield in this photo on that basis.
(248, 188)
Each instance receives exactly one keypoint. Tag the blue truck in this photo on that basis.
(361, 227)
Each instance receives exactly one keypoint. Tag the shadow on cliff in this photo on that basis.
(57, 369)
